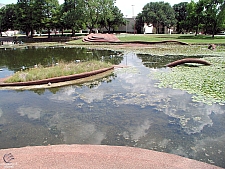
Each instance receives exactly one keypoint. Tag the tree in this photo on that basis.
(118, 19)
(95, 11)
(159, 13)
(73, 15)
(50, 11)
(39, 15)
(25, 16)
(61, 25)
(1, 20)
(181, 16)
(112, 19)
(214, 11)
(139, 22)
(7, 17)
(195, 16)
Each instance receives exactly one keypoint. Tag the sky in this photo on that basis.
(129, 8)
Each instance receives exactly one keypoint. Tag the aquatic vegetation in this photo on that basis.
(60, 69)
(207, 83)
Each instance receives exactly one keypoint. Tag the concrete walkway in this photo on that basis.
(93, 157)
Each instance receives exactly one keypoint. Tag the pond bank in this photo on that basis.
(94, 156)
(56, 82)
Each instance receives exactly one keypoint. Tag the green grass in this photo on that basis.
(62, 69)
(191, 39)
(187, 38)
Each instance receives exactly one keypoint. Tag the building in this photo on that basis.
(129, 27)
(146, 29)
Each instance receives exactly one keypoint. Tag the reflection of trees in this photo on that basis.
(92, 84)
(39, 91)
(155, 61)
(15, 59)
(42, 91)
(107, 79)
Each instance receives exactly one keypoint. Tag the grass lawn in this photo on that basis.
(187, 38)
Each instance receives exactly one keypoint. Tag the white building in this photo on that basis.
(148, 28)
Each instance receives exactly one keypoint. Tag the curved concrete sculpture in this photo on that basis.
(95, 157)
(188, 60)
(101, 38)
(57, 79)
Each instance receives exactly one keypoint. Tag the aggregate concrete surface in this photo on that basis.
(93, 157)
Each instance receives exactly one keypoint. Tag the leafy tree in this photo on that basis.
(50, 11)
(181, 16)
(195, 16)
(159, 13)
(214, 12)
(7, 17)
(36, 14)
(1, 20)
(73, 16)
(118, 18)
(39, 15)
(61, 23)
(139, 22)
(95, 11)
(25, 16)
(112, 19)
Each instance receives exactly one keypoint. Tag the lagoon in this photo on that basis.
(125, 108)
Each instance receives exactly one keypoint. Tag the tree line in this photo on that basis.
(30, 15)
(207, 16)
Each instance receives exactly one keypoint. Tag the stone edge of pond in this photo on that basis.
(94, 156)
(51, 81)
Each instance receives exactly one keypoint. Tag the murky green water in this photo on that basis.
(124, 109)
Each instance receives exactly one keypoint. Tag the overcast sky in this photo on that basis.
(127, 7)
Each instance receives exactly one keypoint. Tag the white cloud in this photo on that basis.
(30, 112)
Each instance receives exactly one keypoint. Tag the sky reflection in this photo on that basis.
(125, 109)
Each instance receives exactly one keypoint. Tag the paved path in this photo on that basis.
(93, 157)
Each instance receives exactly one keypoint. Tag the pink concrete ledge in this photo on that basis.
(94, 157)
(57, 79)
(188, 60)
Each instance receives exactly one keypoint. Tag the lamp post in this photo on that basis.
(126, 23)
(132, 11)
(134, 18)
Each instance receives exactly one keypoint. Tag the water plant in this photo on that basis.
(61, 69)
(206, 83)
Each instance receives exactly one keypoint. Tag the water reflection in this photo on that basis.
(156, 61)
(125, 109)
(15, 60)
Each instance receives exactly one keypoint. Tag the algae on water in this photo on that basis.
(207, 83)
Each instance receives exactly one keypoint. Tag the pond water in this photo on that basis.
(122, 109)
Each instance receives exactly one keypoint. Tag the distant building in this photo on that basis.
(128, 27)
(10, 33)
(148, 28)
